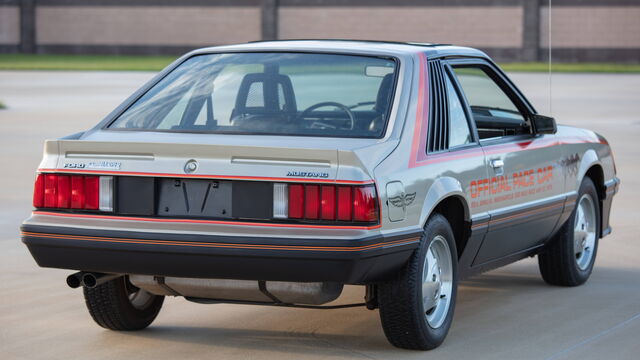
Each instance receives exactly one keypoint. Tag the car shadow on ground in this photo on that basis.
(355, 332)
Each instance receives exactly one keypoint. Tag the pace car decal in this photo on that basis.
(571, 163)
(508, 187)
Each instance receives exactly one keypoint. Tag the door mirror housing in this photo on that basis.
(544, 124)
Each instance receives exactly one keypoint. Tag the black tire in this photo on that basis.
(400, 301)
(110, 307)
(558, 264)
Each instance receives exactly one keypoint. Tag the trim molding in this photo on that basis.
(197, 221)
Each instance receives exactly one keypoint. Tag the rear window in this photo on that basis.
(269, 93)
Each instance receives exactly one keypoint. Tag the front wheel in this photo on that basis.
(416, 309)
(568, 259)
(119, 305)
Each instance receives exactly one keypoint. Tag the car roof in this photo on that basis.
(432, 50)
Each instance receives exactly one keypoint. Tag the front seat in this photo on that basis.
(264, 99)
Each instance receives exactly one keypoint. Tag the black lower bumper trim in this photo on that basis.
(288, 259)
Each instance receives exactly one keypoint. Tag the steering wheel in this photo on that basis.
(342, 107)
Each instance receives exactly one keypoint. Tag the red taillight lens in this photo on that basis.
(64, 191)
(73, 192)
(312, 202)
(38, 191)
(364, 204)
(77, 192)
(296, 201)
(50, 190)
(344, 203)
(328, 203)
(92, 192)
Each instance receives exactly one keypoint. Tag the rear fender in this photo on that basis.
(441, 189)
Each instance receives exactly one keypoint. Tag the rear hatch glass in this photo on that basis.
(302, 94)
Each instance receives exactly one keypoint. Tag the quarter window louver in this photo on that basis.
(438, 109)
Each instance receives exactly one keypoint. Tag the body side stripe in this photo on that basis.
(222, 245)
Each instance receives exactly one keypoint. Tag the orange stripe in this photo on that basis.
(204, 176)
(486, 223)
(196, 221)
(221, 245)
(529, 212)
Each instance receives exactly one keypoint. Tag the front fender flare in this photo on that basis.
(589, 158)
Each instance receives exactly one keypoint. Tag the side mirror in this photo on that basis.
(543, 124)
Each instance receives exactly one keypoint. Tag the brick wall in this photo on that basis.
(509, 30)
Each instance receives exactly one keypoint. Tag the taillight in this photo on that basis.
(311, 202)
(344, 203)
(328, 203)
(50, 190)
(325, 202)
(296, 201)
(73, 192)
(364, 207)
(91, 192)
(77, 192)
(38, 192)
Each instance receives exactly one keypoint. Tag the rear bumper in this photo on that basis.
(354, 261)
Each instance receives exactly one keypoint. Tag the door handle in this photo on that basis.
(497, 163)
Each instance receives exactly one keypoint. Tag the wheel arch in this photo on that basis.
(591, 167)
(446, 197)
(596, 174)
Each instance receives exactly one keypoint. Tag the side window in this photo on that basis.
(493, 111)
(459, 133)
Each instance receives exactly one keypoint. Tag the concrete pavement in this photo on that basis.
(504, 314)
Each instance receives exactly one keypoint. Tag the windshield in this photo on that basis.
(269, 93)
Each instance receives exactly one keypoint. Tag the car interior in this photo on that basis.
(265, 101)
(494, 113)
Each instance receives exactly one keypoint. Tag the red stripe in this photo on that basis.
(418, 147)
(196, 221)
(204, 176)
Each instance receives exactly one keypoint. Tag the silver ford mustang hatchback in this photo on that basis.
(274, 173)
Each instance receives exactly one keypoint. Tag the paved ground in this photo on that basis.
(505, 314)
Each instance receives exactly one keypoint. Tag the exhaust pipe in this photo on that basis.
(74, 280)
(91, 280)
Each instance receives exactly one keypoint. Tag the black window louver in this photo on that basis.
(438, 109)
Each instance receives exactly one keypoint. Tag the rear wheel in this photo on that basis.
(569, 257)
(416, 309)
(119, 305)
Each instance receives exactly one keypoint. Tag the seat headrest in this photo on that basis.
(384, 94)
(270, 83)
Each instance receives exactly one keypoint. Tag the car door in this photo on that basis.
(523, 190)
